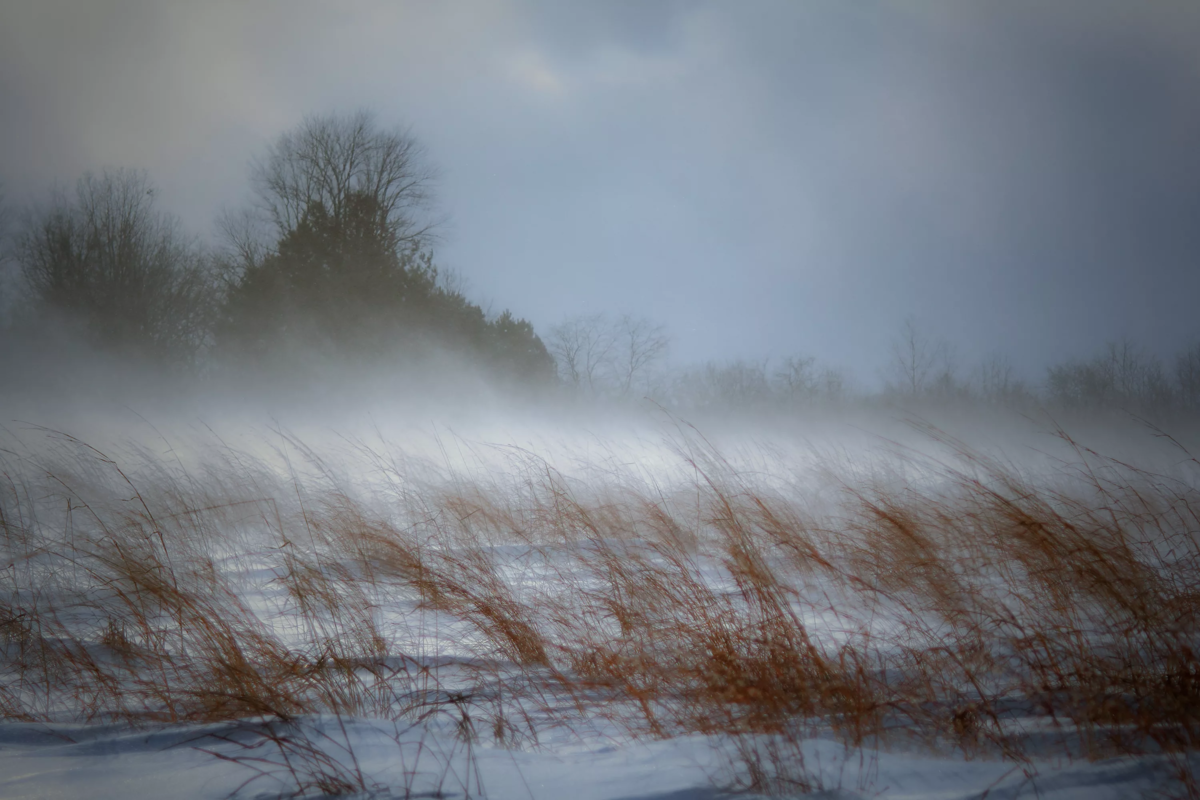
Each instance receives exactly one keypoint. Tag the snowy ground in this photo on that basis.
(594, 759)
(113, 763)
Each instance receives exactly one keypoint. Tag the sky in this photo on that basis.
(764, 179)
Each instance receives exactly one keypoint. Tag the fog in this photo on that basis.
(784, 180)
(819, 228)
(516, 384)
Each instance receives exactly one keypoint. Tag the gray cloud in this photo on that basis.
(764, 179)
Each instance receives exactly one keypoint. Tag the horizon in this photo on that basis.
(766, 183)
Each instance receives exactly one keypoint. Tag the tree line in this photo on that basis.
(623, 357)
(333, 262)
(334, 259)
(1120, 375)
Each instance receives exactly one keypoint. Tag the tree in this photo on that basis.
(641, 344)
(335, 254)
(603, 355)
(336, 282)
(333, 162)
(796, 378)
(918, 365)
(1123, 376)
(111, 261)
(583, 347)
(6, 293)
(1187, 377)
(741, 384)
(349, 271)
(519, 350)
(997, 382)
(4, 213)
(737, 384)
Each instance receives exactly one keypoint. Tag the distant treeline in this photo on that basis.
(333, 262)
(600, 356)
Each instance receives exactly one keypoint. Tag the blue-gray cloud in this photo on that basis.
(763, 178)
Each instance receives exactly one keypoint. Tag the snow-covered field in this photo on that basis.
(624, 609)
(114, 763)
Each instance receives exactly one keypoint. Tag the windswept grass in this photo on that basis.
(953, 602)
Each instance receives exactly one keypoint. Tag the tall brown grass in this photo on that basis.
(954, 602)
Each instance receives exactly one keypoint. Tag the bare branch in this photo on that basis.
(125, 269)
(642, 345)
(329, 159)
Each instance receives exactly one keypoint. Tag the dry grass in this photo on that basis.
(952, 603)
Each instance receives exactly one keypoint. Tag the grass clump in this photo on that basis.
(956, 603)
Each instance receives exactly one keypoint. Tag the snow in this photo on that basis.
(592, 760)
(108, 762)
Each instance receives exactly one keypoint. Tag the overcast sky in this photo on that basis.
(762, 178)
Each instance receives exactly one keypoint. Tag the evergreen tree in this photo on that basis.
(351, 272)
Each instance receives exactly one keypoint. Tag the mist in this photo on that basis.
(1019, 179)
(491, 398)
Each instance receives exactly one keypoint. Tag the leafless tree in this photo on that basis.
(602, 355)
(995, 376)
(1187, 376)
(996, 381)
(918, 364)
(329, 160)
(797, 377)
(801, 379)
(834, 385)
(245, 241)
(641, 344)
(1138, 374)
(110, 260)
(4, 213)
(6, 276)
(1123, 376)
(736, 384)
(583, 348)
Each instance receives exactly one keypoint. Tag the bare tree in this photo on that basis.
(335, 250)
(329, 160)
(6, 276)
(796, 377)
(583, 348)
(245, 242)
(919, 365)
(125, 270)
(735, 384)
(602, 355)
(1138, 375)
(833, 384)
(799, 379)
(996, 382)
(1123, 376)
(1187, 376)
(4, 214)
(640, 346)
